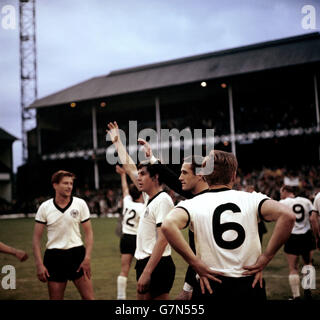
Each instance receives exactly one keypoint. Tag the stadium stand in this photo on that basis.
(272, 85)
(6, 168)
(108, 200)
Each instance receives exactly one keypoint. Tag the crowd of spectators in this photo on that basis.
(269, 181)
(102, 202)
(108, 201)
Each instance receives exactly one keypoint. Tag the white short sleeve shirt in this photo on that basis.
(63, 225)
(225, 225)
(316, 202)
(131, 215)
(302, 207)
(154, 213)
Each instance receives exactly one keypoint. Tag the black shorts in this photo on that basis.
(231, 289)
(162, 277)
(300, 244)
(128, 243)
(62, 265)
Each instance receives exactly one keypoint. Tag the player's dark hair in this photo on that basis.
(290, 189)
(134, 192)
(195, 161)
(225, 165)
(57, 176)
(153, 169)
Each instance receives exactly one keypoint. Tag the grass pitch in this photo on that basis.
(105, 265)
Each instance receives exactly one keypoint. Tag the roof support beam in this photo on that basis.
(316, 98)
(95, 147)
(231, 117)
(158, 125)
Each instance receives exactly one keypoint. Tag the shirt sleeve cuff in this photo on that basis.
(42, 222)
(187, 287)
(153, 160)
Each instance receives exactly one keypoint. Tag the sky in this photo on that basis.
(81, 39)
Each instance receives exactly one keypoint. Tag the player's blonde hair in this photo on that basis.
(224, 166)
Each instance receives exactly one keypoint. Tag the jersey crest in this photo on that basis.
(146, 212)
(74, 213)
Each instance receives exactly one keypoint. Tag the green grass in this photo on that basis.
(106, 265)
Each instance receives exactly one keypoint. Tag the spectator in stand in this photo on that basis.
(266, 180)
(111, 201)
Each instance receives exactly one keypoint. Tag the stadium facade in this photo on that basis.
(262, 101)
(6, 167)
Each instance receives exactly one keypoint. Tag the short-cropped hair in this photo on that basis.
(290, 189)
(57, 176)
(195, 161)
(153, 169)
(224, 164)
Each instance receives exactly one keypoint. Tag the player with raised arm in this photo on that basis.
(228, 262)
(132, 209)
(301, 241)
(65, 257)
(127, 163)
(154, 268)
(188, 184)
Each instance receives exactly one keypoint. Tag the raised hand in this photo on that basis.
(113, 131)
(120, 170)
(146, 147)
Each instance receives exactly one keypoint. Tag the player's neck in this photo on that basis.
(154, 191)
(62, 200)
(201, 186)
(140, 200)
(220, 186)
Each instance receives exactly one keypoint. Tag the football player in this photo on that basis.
(228, 257)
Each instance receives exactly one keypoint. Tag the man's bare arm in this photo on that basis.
(169, 177)
(174, 222)
(159, 247)
(88, 235)
(126, 160)
(42, 271)
(124, 183)
(19, 254)
(285, 218)
(315, 226)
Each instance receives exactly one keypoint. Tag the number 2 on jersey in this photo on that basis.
(131, 215)
(219, 228)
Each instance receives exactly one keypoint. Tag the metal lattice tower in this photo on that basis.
(28, 68)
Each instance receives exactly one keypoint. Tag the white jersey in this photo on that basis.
(316, 202)
(225, 225)
(131, 215)
(302, 207)
(154, 213)
(63, 224)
